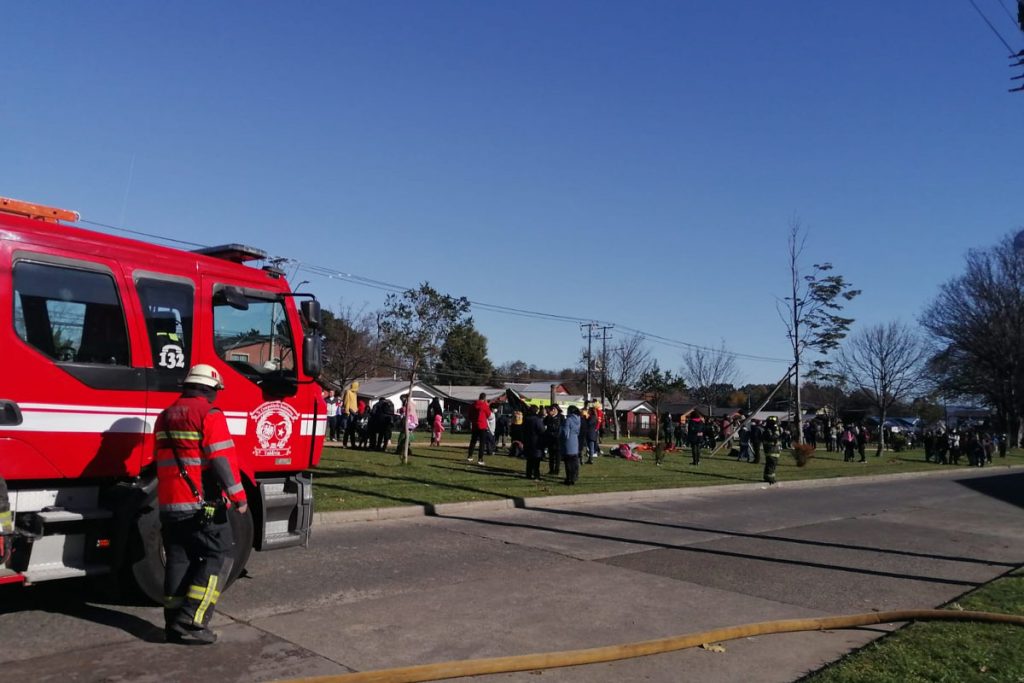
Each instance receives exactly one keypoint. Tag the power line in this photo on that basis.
(143, 234)
(390, 287)
(510, 310)
(1008, 13)
(981, 14)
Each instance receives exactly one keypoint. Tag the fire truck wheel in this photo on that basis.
(147, 565)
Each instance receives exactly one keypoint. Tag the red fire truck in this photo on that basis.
(97, 333)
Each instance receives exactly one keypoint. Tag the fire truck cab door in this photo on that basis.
(253, 337)
(75, 369)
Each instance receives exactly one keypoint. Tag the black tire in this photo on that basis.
(147, 560)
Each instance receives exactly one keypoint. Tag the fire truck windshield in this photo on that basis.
(256, 341)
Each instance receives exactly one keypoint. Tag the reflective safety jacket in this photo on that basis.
(197, 433)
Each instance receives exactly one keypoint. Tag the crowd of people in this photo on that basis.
(567, 439)
(976, 444)
(538, 435)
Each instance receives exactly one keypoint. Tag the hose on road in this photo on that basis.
(551, 660)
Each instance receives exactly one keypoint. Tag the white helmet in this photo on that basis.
(205, 375)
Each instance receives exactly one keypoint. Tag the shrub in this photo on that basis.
(802, 453)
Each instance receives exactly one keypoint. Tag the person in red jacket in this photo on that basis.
(481, 411)
(197, 484)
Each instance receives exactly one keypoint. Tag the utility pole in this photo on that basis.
(590, 363)
(604, 358)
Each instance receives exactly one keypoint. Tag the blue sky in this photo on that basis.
(631, 162)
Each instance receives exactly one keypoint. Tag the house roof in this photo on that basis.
(381, 387)
(470, 393)
(762, 415)
(538, 387)
(630, 405)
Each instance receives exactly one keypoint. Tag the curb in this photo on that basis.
(342, 517)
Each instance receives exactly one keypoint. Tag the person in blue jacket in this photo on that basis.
(571, 446)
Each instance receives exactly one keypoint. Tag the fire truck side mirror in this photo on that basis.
(233, 297)
(312, 353)
(310, 309)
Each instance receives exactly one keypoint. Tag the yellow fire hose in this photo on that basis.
(551, 660)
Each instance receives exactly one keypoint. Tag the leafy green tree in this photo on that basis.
(811, 310)
(414, 326)
(626, 362)
(463, 358)
(656, 385)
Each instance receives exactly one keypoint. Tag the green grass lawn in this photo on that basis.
(349, 479)
(953, 652)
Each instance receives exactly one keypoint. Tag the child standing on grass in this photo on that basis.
(437, 428)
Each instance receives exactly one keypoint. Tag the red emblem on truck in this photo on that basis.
(274, 428)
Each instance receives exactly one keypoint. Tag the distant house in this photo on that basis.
(461, 397)
(635, 416)
(533, 393)
(377, 389)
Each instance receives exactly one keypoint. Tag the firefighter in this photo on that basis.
(197, 485)
(770, 440)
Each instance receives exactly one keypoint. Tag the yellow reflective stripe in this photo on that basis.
(181, 436)
(208, 599)
(198, 592)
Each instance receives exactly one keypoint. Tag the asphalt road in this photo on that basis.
(472, 582)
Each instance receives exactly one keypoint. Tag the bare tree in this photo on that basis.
(656, 386)
(886, 362)
(351, 344)
(626, 362)
(977, 323)
(810, 311)
(710, 374)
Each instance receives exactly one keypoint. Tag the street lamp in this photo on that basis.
(298, 286)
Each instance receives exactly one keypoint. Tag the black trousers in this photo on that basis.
(533, 467)
(199, 559)
(695, 452)
(572, 468)
(554, 458)
(348, 437)
(479, 436)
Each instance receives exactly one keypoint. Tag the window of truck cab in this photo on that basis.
(167, 304)
(257, 341)
(71, 313)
